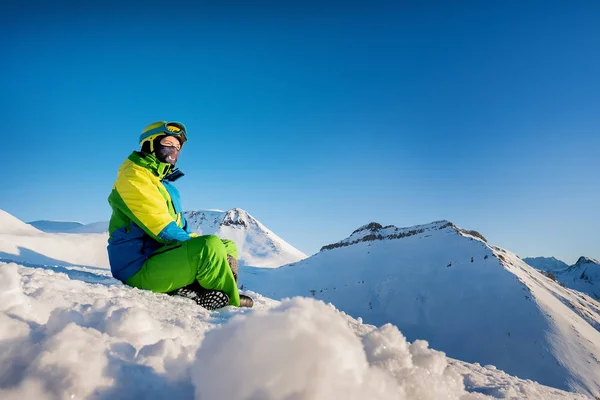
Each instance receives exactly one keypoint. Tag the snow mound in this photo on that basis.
(257, 245)
(329, 360)
(11, 225)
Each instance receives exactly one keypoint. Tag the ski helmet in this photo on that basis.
(155, 129)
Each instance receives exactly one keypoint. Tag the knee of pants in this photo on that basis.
(212, 243)
(230, 248)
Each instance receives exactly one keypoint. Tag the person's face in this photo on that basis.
(171, 141)
(168, 150)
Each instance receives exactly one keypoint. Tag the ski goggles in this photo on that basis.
(168, 128)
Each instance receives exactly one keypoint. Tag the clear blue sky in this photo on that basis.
(317, 119)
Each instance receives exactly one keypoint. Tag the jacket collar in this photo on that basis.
(160, 169)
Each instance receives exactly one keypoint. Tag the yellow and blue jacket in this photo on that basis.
(146, 214)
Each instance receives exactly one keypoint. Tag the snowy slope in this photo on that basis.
(78, 334)
(476, 302)
(549, 264)
(257, 245)
(21, 242)
(13, 226)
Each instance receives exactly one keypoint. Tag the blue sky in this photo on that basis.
(317, 119)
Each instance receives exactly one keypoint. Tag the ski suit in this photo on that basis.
(150, 245)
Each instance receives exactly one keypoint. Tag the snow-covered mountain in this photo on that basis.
(69, 226)
(549, 264)
(94, 227)
(474, 301)
(583, 276)
(257, 245)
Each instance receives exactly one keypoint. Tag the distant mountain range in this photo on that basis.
(549, 264)
(583, 276)
(69, 226)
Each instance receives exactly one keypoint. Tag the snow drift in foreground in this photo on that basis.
(81, 334)
(257, 245)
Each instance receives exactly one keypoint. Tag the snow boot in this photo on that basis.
(209, 299)
(233, 264)
(246, 301)
(212, 299)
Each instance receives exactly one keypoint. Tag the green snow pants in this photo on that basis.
(203, 258)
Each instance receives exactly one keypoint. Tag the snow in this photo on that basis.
(474, 301)
(21, 242)
(14, 226)
(329, 359)
(64, 336)
(72, 331)
(583, 276)
(257, 245)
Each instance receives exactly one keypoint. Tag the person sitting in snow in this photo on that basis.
(151, 245)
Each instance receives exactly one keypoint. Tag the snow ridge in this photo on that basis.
(375, 231)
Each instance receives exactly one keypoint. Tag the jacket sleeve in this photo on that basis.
(144, 204)
(187, 227)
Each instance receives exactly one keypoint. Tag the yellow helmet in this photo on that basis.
(171, 128)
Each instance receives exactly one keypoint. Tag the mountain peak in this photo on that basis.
(236, 217)
(586, 260)
(375, 231)
(257, 245)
